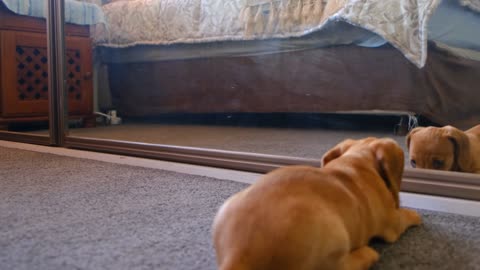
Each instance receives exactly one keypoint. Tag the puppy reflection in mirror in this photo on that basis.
(301, 217)
(446, 148)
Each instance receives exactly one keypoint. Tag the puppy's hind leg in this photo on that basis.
(360, 259)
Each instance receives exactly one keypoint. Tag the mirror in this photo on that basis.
(445, 148)
(24, 71)
(290, 78)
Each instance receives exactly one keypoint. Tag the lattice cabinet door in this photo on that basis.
(24, 74)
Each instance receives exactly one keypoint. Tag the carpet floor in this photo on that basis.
(67, 213)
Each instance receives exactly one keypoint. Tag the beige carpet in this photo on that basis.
(66, 213)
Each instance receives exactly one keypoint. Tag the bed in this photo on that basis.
(420, 57)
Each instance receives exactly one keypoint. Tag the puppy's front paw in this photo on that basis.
(360, 259)
(411, 217)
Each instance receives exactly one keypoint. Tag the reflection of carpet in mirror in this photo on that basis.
(309, 143)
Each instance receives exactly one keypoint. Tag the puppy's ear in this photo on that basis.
(409, 136)
(461, 146)
(391, 163)
(337, 151)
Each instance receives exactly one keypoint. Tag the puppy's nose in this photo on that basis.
(413, 163)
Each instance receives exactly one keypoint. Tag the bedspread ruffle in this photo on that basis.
(403, 23)
(472, 4)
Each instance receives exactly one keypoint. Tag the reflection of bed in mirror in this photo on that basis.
(261, 67)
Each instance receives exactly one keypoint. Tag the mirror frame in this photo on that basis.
(439, 183)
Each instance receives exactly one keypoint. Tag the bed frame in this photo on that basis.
(340, 78)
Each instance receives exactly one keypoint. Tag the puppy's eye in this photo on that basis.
(413, 163)
(437, 164)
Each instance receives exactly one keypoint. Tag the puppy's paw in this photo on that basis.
(360, 259)
(371, 255)
(411, 217)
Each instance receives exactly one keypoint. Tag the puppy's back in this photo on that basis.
(271, 224)
(474, 132)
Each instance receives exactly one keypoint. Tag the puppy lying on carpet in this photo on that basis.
(446, 148)
(301, 217)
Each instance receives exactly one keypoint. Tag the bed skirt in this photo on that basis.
(340, 78)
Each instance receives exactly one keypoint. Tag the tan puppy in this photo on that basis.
(446, 148)
(308, 218)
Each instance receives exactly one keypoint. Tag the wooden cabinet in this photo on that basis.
(24, 70)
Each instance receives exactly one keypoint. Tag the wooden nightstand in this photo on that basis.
(24, 70)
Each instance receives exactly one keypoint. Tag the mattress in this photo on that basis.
(455, 25)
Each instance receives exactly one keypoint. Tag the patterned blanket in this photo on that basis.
(162, 22)
(472, 4)
(76, 12)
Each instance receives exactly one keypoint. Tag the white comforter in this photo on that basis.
(401, 22)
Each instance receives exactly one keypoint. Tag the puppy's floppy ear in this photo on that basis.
(409, 136)
(337, 151)
(461, 146)
(391, 163)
